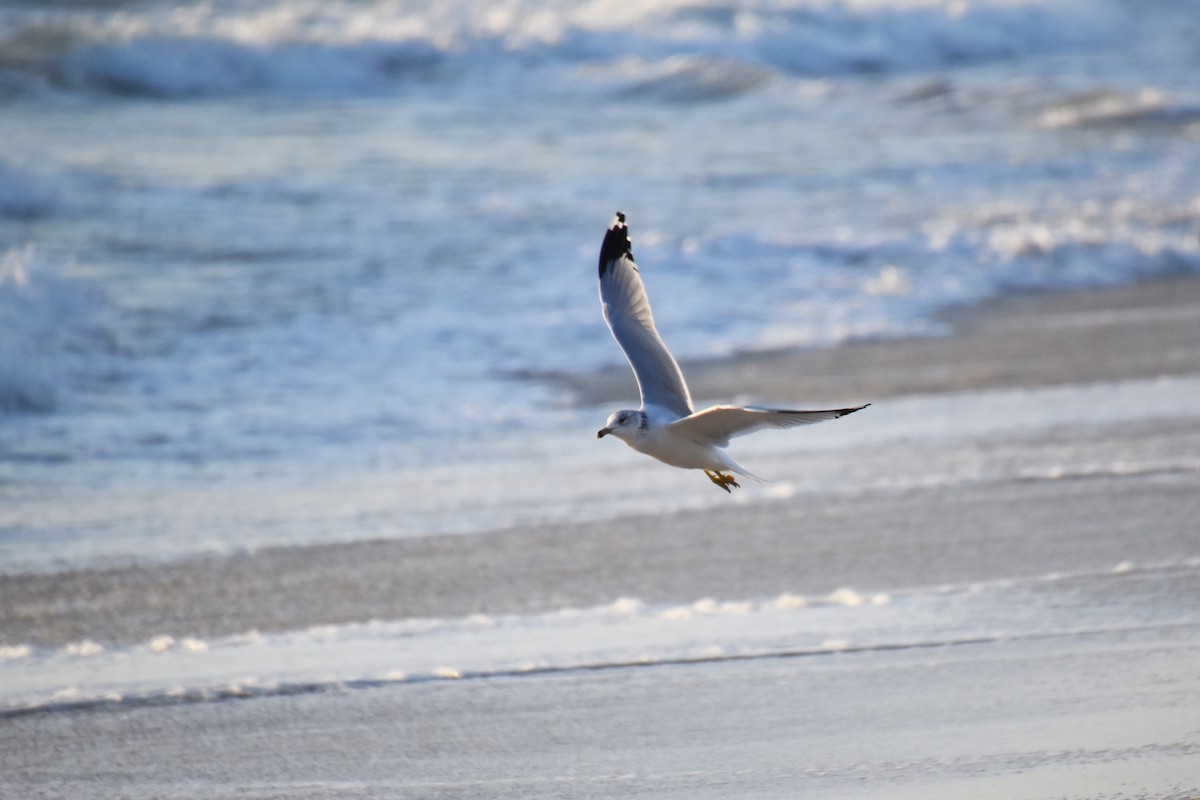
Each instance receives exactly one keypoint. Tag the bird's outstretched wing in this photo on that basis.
(717, 425)
(627, 311)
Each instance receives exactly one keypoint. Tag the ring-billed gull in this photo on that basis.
(666, 427)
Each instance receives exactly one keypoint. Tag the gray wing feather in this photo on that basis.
(627, 311)
(719, 424)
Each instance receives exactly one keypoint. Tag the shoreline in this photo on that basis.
(867, 542)
(732, 551)
(1143, 330)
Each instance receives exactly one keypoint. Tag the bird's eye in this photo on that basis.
(623, 418)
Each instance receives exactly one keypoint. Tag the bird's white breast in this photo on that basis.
(663, 443)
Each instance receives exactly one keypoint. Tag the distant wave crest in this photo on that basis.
(313, 48)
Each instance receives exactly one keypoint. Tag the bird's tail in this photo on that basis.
(734, 466)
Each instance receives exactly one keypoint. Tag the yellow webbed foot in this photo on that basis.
(722, 480)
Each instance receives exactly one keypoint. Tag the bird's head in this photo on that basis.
(624, 424)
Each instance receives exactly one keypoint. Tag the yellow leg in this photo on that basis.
(722, 480)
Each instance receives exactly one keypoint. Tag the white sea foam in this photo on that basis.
(1149, 108)
(160, 643)
(337, 48)
(84, 649)
(617, 635)
(967, 256)
(14, 652)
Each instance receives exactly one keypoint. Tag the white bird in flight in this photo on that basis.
(666, 427)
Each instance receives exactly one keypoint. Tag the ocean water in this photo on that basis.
(287, 272)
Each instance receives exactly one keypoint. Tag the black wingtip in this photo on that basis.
(616, 243)
(846, 411)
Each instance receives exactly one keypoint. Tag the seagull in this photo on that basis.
(666, 427)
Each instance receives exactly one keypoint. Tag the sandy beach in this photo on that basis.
(302, 366)
(1100, 699)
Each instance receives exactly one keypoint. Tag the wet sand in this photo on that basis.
(1078, 718)
(1126, 333)
(810, 545)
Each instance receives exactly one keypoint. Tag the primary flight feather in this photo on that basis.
(666, 427)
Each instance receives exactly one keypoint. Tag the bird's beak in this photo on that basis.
(600, 434)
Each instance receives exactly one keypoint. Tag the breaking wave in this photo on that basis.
(344, 48)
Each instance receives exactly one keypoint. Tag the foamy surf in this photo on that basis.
(624, 634)
(339, 49)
